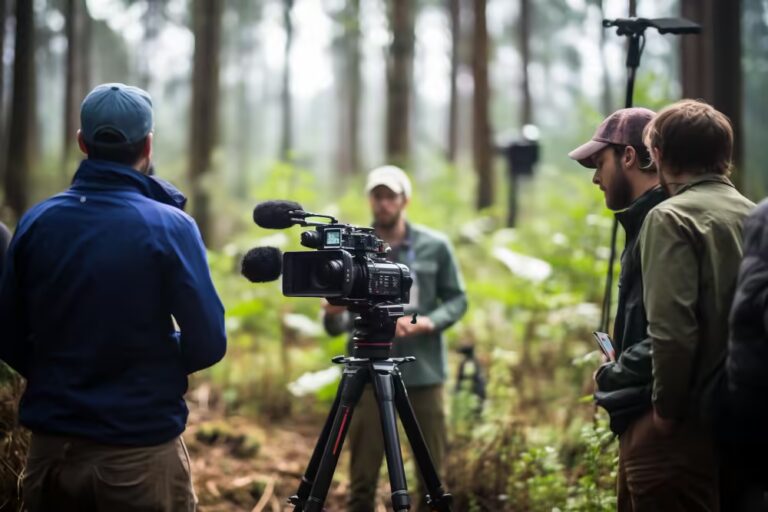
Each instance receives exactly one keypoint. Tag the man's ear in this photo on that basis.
(630, 157)
(147, 151)
(81, 142)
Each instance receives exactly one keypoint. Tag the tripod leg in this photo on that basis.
(354, 381)
(437, 498)
(385, 397)
(314, 463)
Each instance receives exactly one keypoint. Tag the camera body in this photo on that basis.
(348, 268)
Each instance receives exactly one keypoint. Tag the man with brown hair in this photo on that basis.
(691, 246)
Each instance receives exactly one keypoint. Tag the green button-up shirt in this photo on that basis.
(691, 247)
(438, 292)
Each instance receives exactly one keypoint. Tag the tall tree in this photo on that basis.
(243, 42)
(23, 113)
(77, 70)
(711, 63)
(3, 125)
(755, 71)
(206, 20)
(607, 105)
(2, 70)
(454, 10)
(350, 90)
(481, 124)
(153, 16)
(526, 116)
(286, 134)
(400, 80)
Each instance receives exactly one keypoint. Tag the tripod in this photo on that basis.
(371, 363)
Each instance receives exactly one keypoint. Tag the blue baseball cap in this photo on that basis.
(116, 113)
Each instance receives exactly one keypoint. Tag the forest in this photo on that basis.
(257, 100)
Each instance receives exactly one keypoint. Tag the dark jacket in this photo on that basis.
(747, 363)
(624, 387)
(94, 278)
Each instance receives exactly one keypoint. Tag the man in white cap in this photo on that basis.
(438, 296)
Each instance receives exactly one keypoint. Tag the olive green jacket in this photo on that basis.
(691, 248)
(438, 292)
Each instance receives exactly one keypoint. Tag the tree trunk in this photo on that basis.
(70, 81)
(454, 8)
(2, 72)
(3, 132)
(607, 105)
(286, 136)
(23, 113)
(711, 63)
(77, 73)
(526, 116)
(85, 41)
(632, 8)
(481, 125)
(151, 19)
(350, 91)
(400, 80)
(206, 21)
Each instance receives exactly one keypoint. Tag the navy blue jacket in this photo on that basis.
(93, 277)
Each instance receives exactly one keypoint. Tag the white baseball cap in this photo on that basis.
(390, 176)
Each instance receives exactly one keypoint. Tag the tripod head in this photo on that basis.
(374, 329)
(634, 28)
(637, 26)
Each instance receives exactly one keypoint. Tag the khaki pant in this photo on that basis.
(367, 445)
(65, 473)
(667, 473)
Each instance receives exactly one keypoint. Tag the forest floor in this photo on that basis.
(239, 464)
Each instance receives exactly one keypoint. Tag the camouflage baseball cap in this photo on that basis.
(623, 128)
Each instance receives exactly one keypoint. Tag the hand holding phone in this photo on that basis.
(605, 344)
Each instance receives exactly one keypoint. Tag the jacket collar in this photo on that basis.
(632, 218)
(704, 178)
(104, 175)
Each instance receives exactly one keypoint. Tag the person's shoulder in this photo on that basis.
(430, 235)
(761, 210)
(37, 211)
(666, 210)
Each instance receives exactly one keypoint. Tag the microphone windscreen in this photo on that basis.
(275, 214)
(262, 264)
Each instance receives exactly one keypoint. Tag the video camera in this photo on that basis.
(349, 268)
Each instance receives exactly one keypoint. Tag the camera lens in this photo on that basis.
(329, 274)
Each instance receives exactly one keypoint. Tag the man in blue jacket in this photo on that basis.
(93, 281)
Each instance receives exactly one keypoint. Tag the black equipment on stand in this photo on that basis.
(634, 29)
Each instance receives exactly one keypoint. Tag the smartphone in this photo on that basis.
(605, 344)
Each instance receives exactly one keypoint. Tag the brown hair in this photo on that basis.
(644, 161)
(692, 137)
